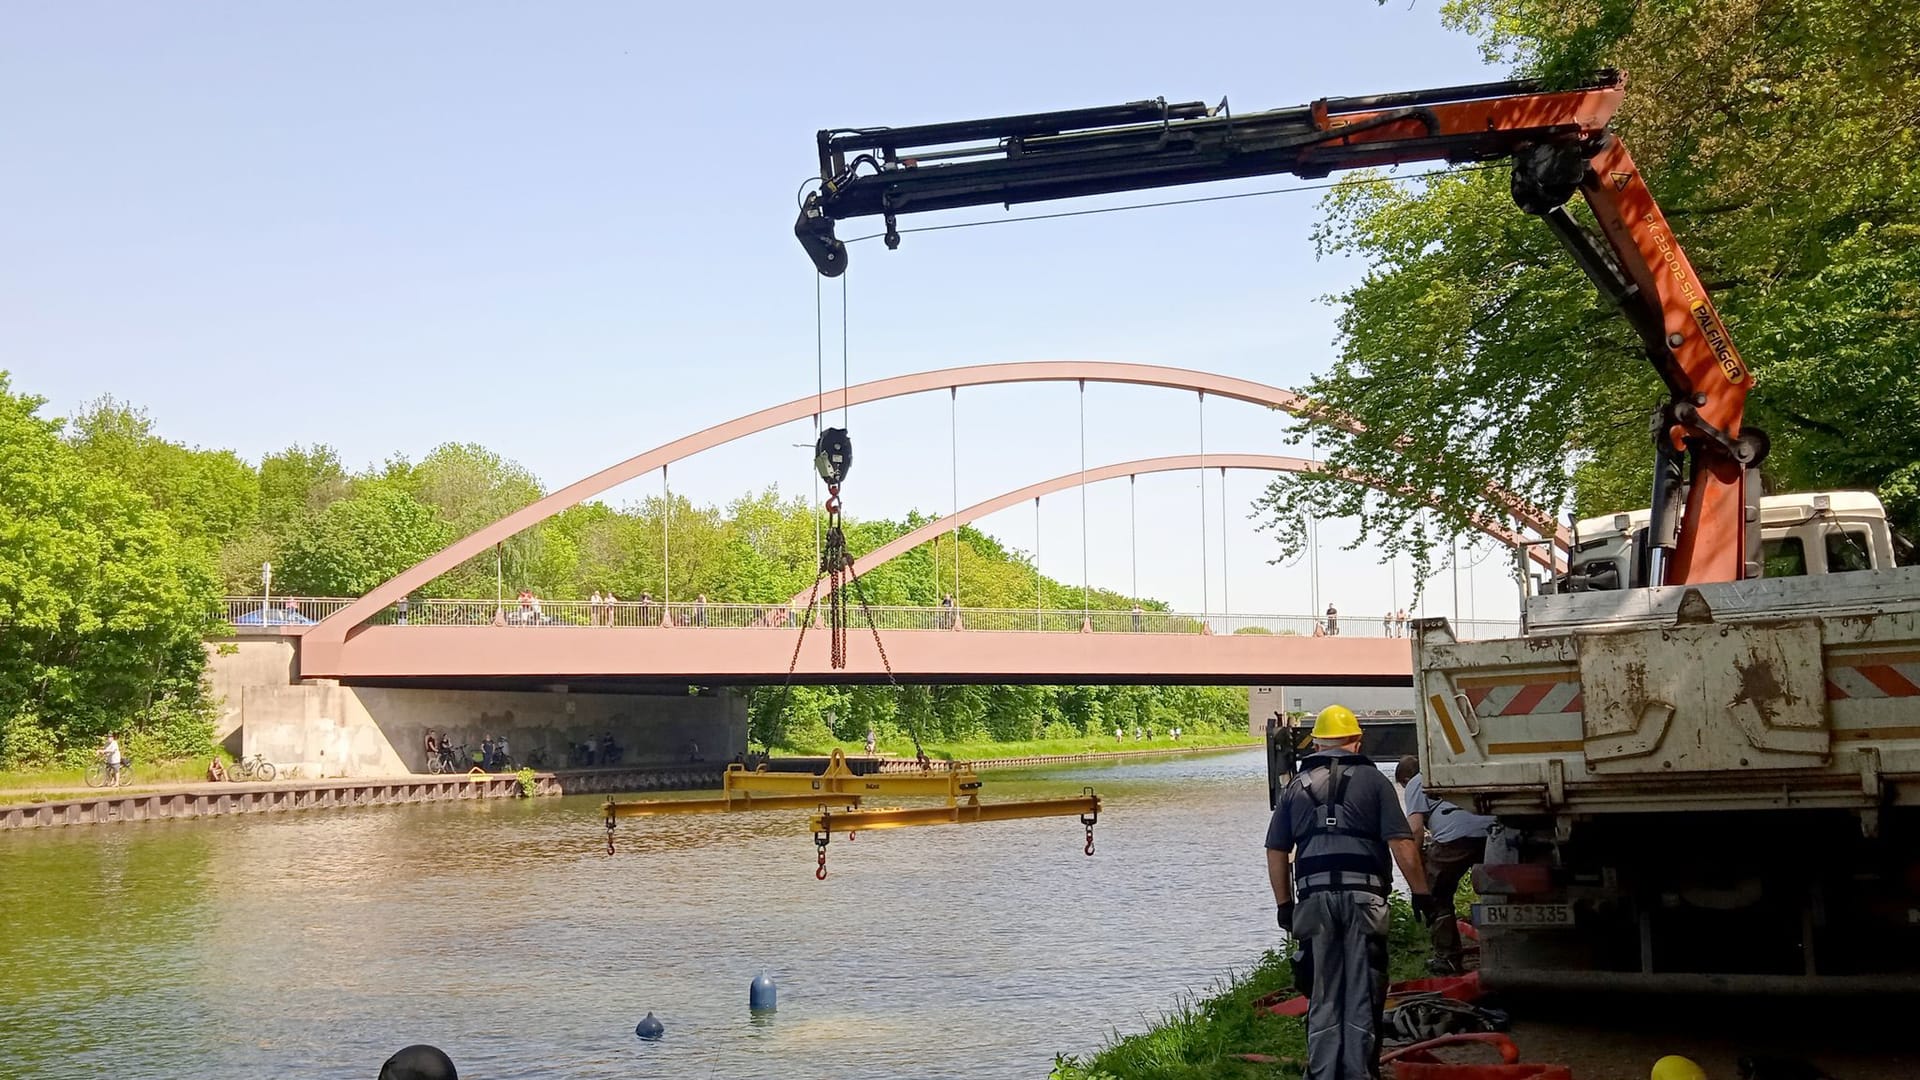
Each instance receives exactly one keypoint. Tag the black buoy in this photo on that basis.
(761, 993)
(419, 1062)
(649, 1028)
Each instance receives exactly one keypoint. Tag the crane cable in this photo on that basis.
(833, 459)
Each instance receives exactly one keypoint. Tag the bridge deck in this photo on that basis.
(762, 655)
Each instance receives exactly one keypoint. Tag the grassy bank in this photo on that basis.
(1199, 1038)
(986, 750)
(43, 785)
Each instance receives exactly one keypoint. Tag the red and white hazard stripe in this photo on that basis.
(1884, 675)
(1524, 696)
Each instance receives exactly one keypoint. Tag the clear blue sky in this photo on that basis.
(564, 231)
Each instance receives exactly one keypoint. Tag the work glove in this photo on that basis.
(1428, 908)
(1285, 916)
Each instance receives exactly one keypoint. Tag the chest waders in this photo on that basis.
(1341, 867)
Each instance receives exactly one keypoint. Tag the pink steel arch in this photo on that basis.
(333, 631)
(1178, 463)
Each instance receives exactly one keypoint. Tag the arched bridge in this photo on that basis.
(364, 643)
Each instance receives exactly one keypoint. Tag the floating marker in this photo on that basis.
(760, 993)
(649, 1028)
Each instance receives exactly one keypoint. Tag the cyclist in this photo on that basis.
(111, 753)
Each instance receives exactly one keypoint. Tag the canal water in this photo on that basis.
(315, 944)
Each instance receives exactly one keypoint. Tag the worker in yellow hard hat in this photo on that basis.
(1335, 836)
(1675, 1067)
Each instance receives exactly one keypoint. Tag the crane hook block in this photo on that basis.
(833, 455)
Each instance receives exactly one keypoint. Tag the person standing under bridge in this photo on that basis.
(1331, 846)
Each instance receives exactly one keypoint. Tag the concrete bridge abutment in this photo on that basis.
(324, 728)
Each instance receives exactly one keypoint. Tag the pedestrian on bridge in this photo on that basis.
(1400, 622)
(596, 610)
(1386, 625)
(700, 610)
(1331, 846)
(1333, 622)
(646, 609)
(1136, 618)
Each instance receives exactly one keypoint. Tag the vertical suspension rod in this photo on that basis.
(1037, 601)
(1226, 605)
(1085, 579)
(953, 457)
(1205, 588)
(666, 547)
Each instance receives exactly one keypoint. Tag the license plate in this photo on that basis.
(1523, 915)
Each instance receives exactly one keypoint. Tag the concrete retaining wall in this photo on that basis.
(213, 800)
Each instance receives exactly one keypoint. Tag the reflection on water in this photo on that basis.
(315, 944)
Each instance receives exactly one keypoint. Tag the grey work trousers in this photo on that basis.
(1446, 863)
(1345, 934)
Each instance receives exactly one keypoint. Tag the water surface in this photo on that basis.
(314, 944)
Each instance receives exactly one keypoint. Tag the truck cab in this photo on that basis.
(1802, 533)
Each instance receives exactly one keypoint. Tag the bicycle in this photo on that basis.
(101, 774)
(256, 767)
(444, 760)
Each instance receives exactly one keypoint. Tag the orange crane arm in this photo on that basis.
(1558, 143)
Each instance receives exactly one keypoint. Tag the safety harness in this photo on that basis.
(1338, 849)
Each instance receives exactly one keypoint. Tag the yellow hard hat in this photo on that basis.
(1338, 722)
(1675, 1067)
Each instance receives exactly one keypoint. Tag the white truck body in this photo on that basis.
(1701, 785)
(1778, 691)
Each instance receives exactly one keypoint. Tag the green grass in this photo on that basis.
(1199, 1038)
(986, 750)
(41, 785)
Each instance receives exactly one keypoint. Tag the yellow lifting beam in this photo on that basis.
(829, 821)
(1086, 804)
(658, 807)
(838, 778)
(838, 785)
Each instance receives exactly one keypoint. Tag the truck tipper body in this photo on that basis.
(1711, 784)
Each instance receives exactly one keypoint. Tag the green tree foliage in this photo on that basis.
(102, 602)
(206, 495)
(361, 541)
(1780, 139)
(298, 483)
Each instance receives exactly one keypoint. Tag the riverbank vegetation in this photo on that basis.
(116, 545)
(987, 749)
(1203, 1035)
(963, 722)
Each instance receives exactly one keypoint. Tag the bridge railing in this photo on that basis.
(253, 612)
(256, 612)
